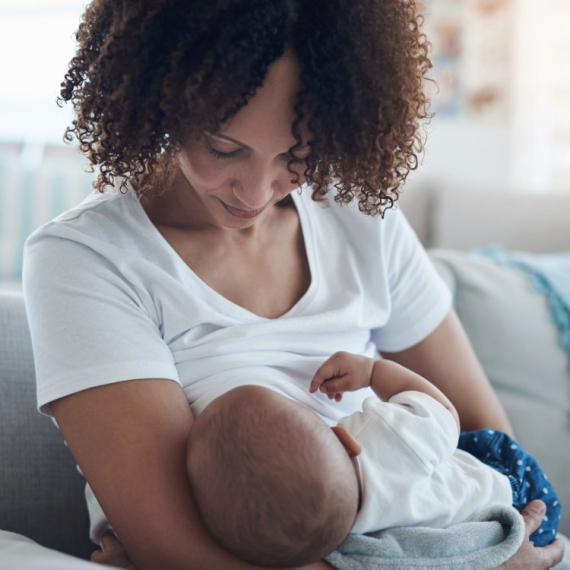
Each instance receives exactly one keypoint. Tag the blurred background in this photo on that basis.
(502, 125)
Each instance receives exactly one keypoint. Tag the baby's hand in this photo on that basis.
(342, 372)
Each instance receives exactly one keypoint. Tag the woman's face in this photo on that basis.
(237, 174)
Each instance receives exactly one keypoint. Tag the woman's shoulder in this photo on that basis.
(101, 240)
(100, 219)
(350, 223)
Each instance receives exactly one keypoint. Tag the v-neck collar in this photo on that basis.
(211, 295)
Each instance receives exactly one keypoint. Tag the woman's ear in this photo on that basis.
(350, 444)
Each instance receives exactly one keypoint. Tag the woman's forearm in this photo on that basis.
(129, 439)
(447, 359)
(116, 555)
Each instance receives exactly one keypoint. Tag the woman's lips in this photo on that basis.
(241, 213)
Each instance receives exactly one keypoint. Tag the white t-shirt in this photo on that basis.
(109, 300)
(410, 470)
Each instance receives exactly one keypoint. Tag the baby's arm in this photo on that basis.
(344, 371)
(389, 378)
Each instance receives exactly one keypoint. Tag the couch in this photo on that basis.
(509, 325)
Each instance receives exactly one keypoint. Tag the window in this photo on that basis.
(36, 42)
(541, 96)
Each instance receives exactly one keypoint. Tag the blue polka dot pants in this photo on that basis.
(528, 482)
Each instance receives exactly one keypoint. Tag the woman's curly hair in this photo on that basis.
(149, 74)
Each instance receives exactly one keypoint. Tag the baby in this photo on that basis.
(277, 487)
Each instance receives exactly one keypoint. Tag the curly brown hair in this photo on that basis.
(149, 74)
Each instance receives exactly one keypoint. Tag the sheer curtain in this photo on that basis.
(540, 133)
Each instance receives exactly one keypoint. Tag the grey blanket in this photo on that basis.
(486, 541)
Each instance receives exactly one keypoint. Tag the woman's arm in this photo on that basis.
(129, 439)
(447, 359)
(527, 557)
(116, 555)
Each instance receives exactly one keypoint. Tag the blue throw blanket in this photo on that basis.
(550, 275)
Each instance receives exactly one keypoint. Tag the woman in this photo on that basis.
(211, 270)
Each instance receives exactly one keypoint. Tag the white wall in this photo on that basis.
(466, 149)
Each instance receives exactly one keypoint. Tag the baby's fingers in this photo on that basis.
(317, 380)
(337, 366)
(336, 396)
(337, 385)
(327, 371)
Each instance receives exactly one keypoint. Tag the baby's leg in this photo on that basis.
(528, 481)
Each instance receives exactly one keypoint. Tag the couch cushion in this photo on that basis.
(41, 492)
(518, 344)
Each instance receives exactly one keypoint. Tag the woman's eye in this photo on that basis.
(219, 154)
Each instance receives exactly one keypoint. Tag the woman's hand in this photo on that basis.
(113, 553)
(342, 372)
(529, 557)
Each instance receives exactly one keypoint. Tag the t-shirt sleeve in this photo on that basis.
(419, 298)
(424, 425)
(88, 324)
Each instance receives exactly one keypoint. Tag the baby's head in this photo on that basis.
(273, 483)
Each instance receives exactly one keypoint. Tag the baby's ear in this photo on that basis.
(350, 444)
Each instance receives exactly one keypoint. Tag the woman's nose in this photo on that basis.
(255, 192)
